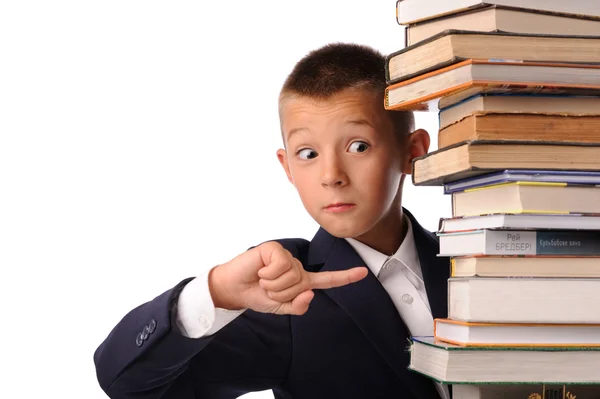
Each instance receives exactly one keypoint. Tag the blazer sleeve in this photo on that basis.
(145, 356)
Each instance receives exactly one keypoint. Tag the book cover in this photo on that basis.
(510, 242)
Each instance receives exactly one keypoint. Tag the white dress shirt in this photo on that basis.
(400, 275)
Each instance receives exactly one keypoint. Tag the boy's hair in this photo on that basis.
(335, 67)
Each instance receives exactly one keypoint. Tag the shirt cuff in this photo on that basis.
(197, 316)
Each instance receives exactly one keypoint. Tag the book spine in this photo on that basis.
(574, 243)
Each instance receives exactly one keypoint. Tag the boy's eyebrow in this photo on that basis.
(360, 122)
(295, 130)
(357, 122)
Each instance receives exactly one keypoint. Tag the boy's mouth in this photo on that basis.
(339, 207)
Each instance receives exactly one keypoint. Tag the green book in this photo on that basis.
(453, 364)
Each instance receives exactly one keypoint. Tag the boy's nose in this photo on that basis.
(333, 174)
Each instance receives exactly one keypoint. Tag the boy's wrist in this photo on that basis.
(221, 299)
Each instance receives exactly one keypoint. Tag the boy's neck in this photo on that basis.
(387, 236)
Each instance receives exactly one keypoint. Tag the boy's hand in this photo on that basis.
(268, 279)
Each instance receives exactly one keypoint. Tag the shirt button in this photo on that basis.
(204, 322)
(407, 298)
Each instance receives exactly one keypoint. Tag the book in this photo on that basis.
(516, 175)
(520, 242)
(450, 85)
(524, 300)
(507, 334)
(501, 19)
(474, 158)
(555, 128)
(507, 221)
(526, 266)
(519, 104)
(520, 221)
(525, 391)
(454, 364)
(452, 46)
(411, 11)
(527, 197)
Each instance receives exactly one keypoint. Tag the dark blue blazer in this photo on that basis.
(351, 343)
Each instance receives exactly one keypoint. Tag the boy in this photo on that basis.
(306, 319)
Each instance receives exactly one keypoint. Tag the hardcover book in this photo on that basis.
(453, 364)
(444, 87)
(453, 46)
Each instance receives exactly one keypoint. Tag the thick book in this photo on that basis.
(522, 127)
(525, 266)
(527, 197)
(525, 391)
(520, 242)
(511, 334)
(411, 11)
(516, 104)
(475, 158)
(524, 175)
(450, 85)
(454, 364)
(452, 46)
(524, 300)
(501, 19)
(509, 221)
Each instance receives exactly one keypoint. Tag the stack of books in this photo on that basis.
(518, 96)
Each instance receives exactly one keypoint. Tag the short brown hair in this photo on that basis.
(335, 67)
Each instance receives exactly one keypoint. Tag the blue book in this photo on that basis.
(524, 175)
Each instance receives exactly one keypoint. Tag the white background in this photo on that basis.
(137, 148)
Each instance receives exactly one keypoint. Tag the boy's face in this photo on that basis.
(344, 158)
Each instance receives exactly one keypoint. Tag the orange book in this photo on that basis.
(516, 335)
(447, 86)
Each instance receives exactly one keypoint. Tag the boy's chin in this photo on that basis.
(343, 231)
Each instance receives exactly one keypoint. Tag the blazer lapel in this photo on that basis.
(367, 303)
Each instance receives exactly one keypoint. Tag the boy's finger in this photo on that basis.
(289, 293)
(298, 306)
(323, 280)
(275, 269)
(285, 281)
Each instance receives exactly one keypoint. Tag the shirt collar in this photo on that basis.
(406, 253)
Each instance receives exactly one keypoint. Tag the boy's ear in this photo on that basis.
(417, 145)
(283, 160)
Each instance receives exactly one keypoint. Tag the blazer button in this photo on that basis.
(138, 340)
(145, 333)
(152, 326)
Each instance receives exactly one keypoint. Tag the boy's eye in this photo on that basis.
(358, 146)
(306, 153)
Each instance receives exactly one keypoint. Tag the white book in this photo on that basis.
(520, 221)
(524, 300)
(520, 242)
(411, 11)
(524, 334)
(526, 266)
